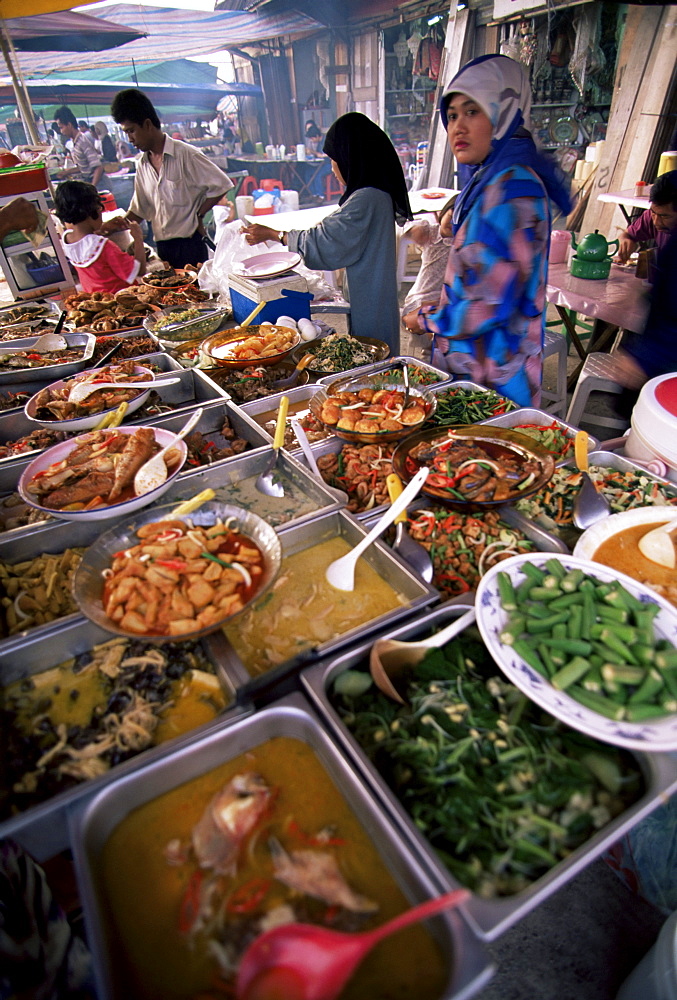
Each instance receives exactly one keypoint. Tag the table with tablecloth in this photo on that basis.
(296, 175)
(620, 302)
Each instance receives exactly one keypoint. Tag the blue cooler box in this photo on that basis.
(286, 296)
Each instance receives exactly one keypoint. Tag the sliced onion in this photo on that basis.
(245, 573)
(482, 559)
(20, 613)
(475, 541)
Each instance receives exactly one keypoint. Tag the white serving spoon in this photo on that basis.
(47, 342)
(84, 389)
(341, 573)
(658, 545)
(153, 473)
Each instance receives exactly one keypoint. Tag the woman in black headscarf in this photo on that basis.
(360, 235)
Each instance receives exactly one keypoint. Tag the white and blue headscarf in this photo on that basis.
(501, 88)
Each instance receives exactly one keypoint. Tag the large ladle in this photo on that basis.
(589, 504)
(341, 572)
(305, 962)
(407, 547)
(265, 482)
(658, 545)
(390, 658)
(52, 341)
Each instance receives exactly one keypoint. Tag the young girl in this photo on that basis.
(100, 264)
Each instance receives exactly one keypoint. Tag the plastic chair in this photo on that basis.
(248, 185)
(597, 375)
(270, 183)
(403, 244)
(556, 402)
(332, 188)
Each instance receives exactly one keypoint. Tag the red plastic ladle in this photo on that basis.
(305, 962)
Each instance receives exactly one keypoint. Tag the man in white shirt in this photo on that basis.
(175, 183)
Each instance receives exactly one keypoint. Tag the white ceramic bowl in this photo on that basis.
(657, 734)
(590, 540)
(58, 452)
(90, 421)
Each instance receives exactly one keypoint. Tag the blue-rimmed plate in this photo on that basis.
(650, 735)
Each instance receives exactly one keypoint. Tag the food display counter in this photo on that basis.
(283, 670)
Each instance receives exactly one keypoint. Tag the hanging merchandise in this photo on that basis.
(428, 58)
(401, 49)
(510, 45)
(526, 43)
(587, 58)
(560, 52)
(415, 39)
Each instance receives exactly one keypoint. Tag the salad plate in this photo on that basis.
(651, 734)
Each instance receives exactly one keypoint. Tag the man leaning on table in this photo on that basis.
(175, 184)
(658, 222)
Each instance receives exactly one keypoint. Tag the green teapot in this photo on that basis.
(594, 247)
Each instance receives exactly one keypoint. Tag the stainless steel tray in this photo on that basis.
(612, 460)
(492, 917)
(299, 536)
(294, 719)
(103, 339)
(332, 445)
(460, 384)
(87, 341)
(209, 425)
(384, 366)
(297, 396)
(529, 415)
(43, 829)
(308, 501)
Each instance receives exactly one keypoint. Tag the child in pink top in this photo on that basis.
(101, 265)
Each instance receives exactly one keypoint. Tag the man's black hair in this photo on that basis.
(664, 191)
(65, 115)
(75, 201)
(83, 124)
(133, 106)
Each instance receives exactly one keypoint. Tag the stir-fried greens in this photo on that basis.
(339, 353)
(501, 790)
(468, 406)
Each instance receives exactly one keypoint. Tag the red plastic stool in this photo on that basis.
(249, 184)
(331, 186)
(270, 183)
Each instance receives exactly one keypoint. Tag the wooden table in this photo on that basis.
(620, 302)
(623, 198)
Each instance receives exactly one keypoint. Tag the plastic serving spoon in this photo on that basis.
(407, 547)
(391, 657)
(589, 504)
(341, 572)
(658, 545)
(291, 380)
(305, 962)
(153, 473)
(265, 482)
(302, 439)
(84, 389)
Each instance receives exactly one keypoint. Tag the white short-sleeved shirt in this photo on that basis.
(171, 199)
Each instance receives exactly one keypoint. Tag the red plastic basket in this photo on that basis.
(21, 180)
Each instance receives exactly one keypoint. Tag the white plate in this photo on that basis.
(267, 265)
(591, 539)
(89, 422)
(651, 735)
(58, 452)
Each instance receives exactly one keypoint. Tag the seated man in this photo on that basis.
(657, 222)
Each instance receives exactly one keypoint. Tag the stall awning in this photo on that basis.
(173, 34)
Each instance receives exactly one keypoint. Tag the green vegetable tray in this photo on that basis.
(539, 418)
(655, 774)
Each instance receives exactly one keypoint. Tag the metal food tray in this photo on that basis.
(299, 536)
(529, 415)
(209, 424)
(492, 917)
(53, 311)
(385, 366)
(43, 829)
(332, 446)
(292, 718)
(270, 404)
(55, 371)
(230, 471)
(612, 460)
(129, 335)
(461, 384)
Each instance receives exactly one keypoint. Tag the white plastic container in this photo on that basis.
(300, 151)
(289, 200)
(653, 424)
(560, 241)
(655, 978)
(244, 205)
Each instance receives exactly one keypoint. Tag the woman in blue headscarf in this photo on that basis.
(489, 326)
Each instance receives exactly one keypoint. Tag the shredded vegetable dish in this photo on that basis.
(468, 406)
(464, 546)
(339, 352)
(552, 507)
(553, 437)
(521, 791)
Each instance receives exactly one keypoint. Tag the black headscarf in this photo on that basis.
(366, 158)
